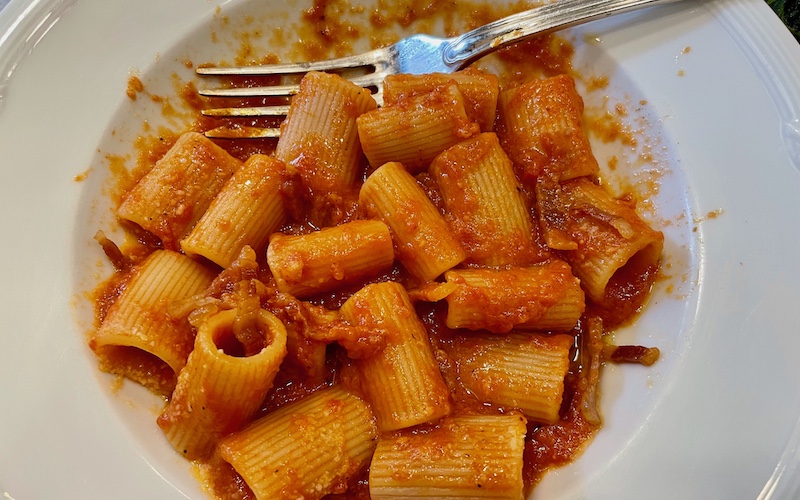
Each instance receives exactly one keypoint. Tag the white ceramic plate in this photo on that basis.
(717, 417)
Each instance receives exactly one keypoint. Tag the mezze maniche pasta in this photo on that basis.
(415, 310)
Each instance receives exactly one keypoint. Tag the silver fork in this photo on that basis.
(416, 54)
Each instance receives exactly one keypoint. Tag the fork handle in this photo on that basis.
(559, 14)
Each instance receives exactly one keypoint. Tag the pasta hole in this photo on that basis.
(241, 341)
(139, 366)
(629, 287)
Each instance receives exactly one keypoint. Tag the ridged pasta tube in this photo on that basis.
(414, 130)
(307, 449)
(402, 382)
(425, 245)
(541, 297)
(540, 125)
(138, 319)
(467, 457)
(223, 384)
(484, 203)
(312, 263)
(176, 192)
(518, 370)
(247, 210)
(480, 91)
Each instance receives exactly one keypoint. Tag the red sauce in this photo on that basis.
(626, 294)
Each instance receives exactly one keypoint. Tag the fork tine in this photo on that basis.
(247, 112)
(243, 133)
(376, 59)
(368, 80)
(268, 91)
(372, 58)
(261, 111)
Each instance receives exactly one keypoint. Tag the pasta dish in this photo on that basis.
(405, 300)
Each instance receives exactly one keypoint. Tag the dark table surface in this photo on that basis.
(789, 12)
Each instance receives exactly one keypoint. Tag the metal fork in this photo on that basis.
(417, 54)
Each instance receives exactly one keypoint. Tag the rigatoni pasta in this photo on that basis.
(402, 382)
(467, 457)
(325, 107)
(308, 264)
(479, 89)
(176, 192)
(139, 319)
(306, 449)
(540, 125)
(225, 380)
(414, 130)
(484, 202)
(541, 297)
(518, 370)
(608, 233)
(248, 209)
(425, 245)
